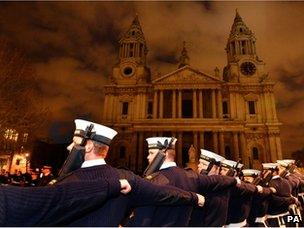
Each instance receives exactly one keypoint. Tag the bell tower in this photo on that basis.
(244, 64)
(131, 67)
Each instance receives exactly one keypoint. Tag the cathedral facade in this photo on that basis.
(232, 114)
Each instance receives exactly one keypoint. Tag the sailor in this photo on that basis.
(169, 174)
(284, 167)
(240, 197)
(280, 201)
(95, 140)
(214, 213)
(257, 215)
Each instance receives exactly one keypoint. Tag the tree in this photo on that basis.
(20, 101)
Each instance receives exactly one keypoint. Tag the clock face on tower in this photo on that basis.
(128, 71)
(248, 68)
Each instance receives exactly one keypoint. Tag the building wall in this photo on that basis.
(232, 114)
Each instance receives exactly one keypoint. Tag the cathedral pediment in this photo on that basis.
(186, 75)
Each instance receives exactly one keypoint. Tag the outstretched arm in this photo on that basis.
(51, 205)
(146, 193)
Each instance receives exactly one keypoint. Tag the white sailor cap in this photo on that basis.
(286, 162)
(161, 142)
(98, 133)
(210, 156)
(282, 163)
(270, 165)
(231, 164)
(251, 172)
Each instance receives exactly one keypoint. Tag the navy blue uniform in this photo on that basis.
(143, 193)
(259, 206)
(294, 183)
(187, 180)
(214, 212)
(52, 205)
(280, 201)
(240, 202)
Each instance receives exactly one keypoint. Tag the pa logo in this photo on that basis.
(292, 219)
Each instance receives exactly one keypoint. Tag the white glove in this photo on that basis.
(201, 200)
(124, 186)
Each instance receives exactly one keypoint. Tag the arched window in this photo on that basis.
(122, 152)
(227, 152)
(255, 153)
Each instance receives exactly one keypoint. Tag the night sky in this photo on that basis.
(73, 47)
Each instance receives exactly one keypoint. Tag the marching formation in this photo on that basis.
(221, 193)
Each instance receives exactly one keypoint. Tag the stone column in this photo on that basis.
(260, 110)
(110, 107)
(236, 108)
(213, 104)
(236, 145)
(173, 103)
(144, 106)
(262, 107)
(179, 103)
(220, 104)
(268, 106)
(272, 146)
(128, 49)
(194, 102)
(195, 144)
(200, 101)
(232, 105)
(202, 143)
(105, 107)
(222, 144)
(215, 142)
(161, 104)
(138, 107)
(115, 110)
(141, 151)
(155, 104)
(275, 118)
(180, 148)
(243, 151)
(133, 152)
(279, 147)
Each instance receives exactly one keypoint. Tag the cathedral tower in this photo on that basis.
(131, 67)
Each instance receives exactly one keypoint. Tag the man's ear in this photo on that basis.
(89, 146)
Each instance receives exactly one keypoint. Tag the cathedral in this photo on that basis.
(232, 114)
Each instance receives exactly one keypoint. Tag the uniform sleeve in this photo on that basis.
(51, 205)
(281, 201)
(266, 192)
(215, 183)
(145, 193)
(246, 189)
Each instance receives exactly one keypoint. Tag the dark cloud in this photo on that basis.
(73, 46)
(292, 80)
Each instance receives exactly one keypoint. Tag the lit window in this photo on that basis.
(11, 134)
(25, 136)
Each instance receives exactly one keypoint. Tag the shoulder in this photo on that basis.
(158, 178)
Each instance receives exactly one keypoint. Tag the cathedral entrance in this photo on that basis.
(187, 105)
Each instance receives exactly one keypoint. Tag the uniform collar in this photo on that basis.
(275, 177)
(167, 165)
(93, 162)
